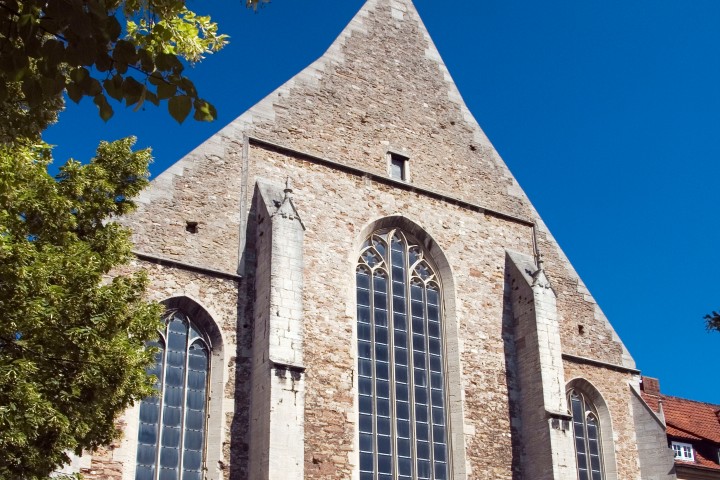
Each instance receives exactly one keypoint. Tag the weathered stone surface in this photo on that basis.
(615, 390)
(380, 87)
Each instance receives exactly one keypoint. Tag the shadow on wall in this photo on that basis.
(239, 453)
(508, 336)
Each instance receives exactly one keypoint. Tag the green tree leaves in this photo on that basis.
(72, 340)
(712, 321)
(79, 47)
(179, 107)
(104, 107)
(72, 354)
(204, 111)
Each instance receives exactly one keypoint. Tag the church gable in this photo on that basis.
(371, 141)
(381, 87)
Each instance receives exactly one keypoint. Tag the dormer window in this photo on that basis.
(683, 451)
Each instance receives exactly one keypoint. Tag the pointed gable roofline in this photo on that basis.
(264, 121)
(402, 10)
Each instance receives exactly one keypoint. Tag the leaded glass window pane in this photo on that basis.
(171, 436)
(586, 431)
(400, 361)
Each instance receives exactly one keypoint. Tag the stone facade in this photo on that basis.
(273, 273)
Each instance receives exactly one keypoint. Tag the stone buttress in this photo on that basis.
(546, 426)
(219, 228)
(278, 397)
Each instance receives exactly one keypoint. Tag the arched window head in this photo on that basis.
(586, 430)
(403, 433)
(171, 436)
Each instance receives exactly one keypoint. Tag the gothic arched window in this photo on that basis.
(403, 433)
(586, 430)
(171, 436)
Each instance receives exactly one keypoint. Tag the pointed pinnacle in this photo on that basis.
(288, 190)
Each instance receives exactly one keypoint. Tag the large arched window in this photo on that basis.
(171, 436)
(403, 432)
(586, 430)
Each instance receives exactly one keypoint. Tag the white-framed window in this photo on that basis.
(683, 451)
(402, 406)
(171, 436)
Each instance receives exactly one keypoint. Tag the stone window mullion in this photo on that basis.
(185, 354)
(411, 358)
(411, 452)
(181, 452)
(373, 374)
(429, 383)
(391, 364)
(586, 432)
(161, 404)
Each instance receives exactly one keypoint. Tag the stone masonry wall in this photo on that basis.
(386, 88)
(227, 439)
(380, 87)
(548, 445)
(204, 187)
(260, 401)
(335, 207)
(615, 390)
(104, 465)
(656, 458)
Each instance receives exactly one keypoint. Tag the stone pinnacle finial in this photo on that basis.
(288, 189)
(539, 277)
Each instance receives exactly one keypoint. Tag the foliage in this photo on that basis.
(712, 321)
(19, 120)
(72, 339)
(73, 336)
(128, 50)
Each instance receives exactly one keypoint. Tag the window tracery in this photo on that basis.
(586, 430)
(403, 433)
(171, 436)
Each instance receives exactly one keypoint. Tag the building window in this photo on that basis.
(171, 436)
(683, 451)
(403, 433)
(586, 430)
(399, 167)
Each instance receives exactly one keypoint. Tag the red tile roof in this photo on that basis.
(697, 419)
(694, 422)
(674, 432)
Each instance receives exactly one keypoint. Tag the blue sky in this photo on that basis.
(607, 112)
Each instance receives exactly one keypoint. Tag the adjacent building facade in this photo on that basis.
(693, 432)
(358, 288)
